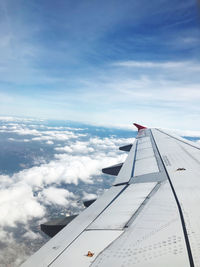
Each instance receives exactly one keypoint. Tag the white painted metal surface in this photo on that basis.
(144, 145)
(145, 139)
(146, 165)
(186, 184)
(54, 247)
(88, 241)
(192, 147)
(121, 210)
(144, 153)
(155, 238)
(173, 135)
(145, 158)
(141, 133)
(126, 170)
(194, 153)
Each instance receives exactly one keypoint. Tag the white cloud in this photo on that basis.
(49, 142)
(77, 147)
(95, 144)
(189, 65)
(68, 169)
(87, 196)
(6, 118)
(26, 131)
(53, 195)
(110, 143)
(67, 149)
(30, 235)
(17, 204)
(11, 139)
(26, 195)
(5, 181)
(13, 254)
(18, 119)
(20, 129)
(56, 135)
(3, 127)
(61, 128)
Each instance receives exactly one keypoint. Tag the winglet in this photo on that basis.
(139, 127)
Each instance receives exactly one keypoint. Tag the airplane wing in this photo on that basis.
(149, 217)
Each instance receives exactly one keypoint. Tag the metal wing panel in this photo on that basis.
(179, 138)
(88, 241)
(122, 209)
(190, 147)
(126, 171)
(144, 142)
(154, 236)
(145, 160)
(184, 173)
(145, 166)
(53, 248)
(145, 153)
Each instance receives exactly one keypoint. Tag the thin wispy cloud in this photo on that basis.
(108, 63)
(171, 65)
(85, 60)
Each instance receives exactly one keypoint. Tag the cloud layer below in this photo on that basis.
(70, 170)
(29, 194)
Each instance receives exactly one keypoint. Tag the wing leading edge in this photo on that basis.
(149, 217)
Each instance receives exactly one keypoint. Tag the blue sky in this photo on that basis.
(101, 62)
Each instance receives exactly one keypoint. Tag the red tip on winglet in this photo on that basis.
(140, 127)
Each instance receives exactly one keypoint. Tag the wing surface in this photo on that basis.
(149, 217)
